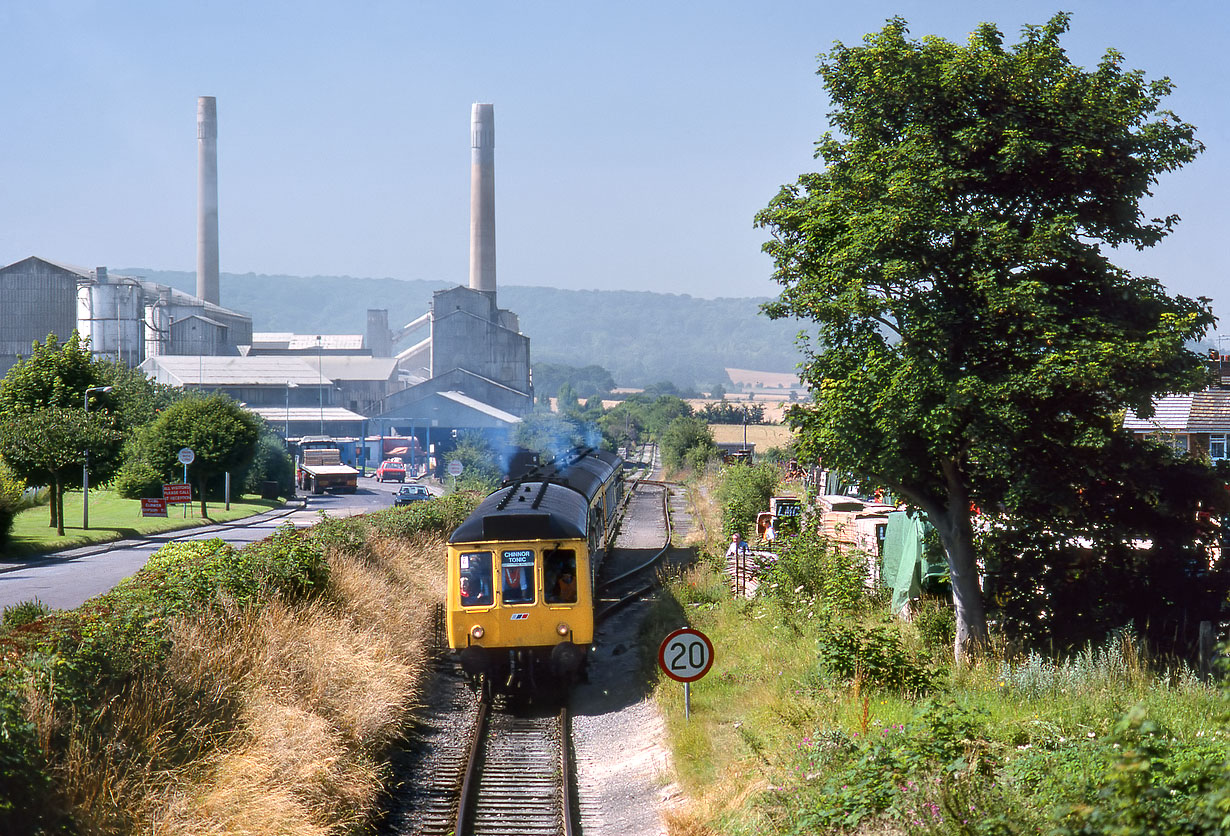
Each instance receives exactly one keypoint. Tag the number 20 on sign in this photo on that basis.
(686, 655)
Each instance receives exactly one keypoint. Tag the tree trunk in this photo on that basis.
(201, 488)
(952, 523)
(57, 499)
(953, 526)
(54, 522)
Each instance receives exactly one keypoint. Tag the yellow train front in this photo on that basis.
(521, 569)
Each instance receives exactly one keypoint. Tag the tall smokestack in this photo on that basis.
(207, 199)
(482, 198)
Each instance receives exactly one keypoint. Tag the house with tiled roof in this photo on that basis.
(1195, 423)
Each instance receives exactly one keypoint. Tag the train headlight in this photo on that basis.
(562, 629)
(477, 631)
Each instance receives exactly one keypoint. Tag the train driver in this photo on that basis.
(516, 583)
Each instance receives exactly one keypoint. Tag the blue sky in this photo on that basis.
(634, 140)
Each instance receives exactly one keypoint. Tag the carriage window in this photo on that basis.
(560, 573)
(517, 576)
(474, 569)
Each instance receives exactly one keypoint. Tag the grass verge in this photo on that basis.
(115, 518)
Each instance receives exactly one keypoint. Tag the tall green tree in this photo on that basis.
(952, 253)
(221, 434)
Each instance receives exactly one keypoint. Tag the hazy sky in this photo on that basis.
(634, 140)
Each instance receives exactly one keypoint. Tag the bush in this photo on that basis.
(1150, 787)
(288, 564)
(875, 657)
(810, 569)
(136, 479)
(687, 442)
(744, 493)
(12, 490)
(24, 612)
(271, 463)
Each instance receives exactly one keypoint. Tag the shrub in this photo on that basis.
(875, 657)
(811, 569)
(687, 441)
(24, 612)
(136, 479)
(936, 623)
(12, 490)
(744, 493)
(271, 463)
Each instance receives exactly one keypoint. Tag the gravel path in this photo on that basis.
(623, 768)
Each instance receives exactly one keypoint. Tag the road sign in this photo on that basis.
(176, 493)
(186, 456)
(455, 467)
(686, 655)
(153, 507)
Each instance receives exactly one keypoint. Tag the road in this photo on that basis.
(68, 579)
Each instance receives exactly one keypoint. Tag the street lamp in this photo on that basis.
(320, 384)
(85, 466)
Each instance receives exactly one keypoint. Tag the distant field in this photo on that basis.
(768, 380)
(763, 436)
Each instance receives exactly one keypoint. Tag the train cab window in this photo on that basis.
(559, 568)
(517, 576)
(474, 571)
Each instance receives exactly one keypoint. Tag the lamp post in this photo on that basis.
(320, 384)
(85, 466)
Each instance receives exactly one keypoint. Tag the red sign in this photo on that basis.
(686, 655)
(153, 507)
(176, 493)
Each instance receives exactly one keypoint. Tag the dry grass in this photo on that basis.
(763, 436)
(282, 714)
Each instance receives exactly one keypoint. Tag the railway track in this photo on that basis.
(514, 777)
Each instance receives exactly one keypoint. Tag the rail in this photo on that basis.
(518, 776)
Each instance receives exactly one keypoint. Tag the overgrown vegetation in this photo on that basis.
(222, 689)
(823, 715)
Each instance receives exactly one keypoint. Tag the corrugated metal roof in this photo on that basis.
(1170, 413)
(278, 414)
(182, 370)
(479, 406)
(304, 342)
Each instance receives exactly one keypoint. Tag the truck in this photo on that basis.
(320, 469)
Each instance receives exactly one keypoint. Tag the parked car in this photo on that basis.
(391, 471)
(411, 493)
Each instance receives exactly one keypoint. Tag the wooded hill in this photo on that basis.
(640, 337)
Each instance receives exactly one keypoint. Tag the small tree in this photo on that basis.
(48, 446)
(687, 442)
(221, 434)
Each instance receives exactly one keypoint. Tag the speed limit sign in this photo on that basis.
(686, 655)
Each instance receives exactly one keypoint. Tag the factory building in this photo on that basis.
(126, 318)
(467, 361)
(291, 393)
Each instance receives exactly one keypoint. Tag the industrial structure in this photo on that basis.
(463, 365)
(470, 364)
(126, 318)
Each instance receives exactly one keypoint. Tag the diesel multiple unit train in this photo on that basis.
(521, 573)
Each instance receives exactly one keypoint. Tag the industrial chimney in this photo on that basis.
(482, 198)
(207, 199)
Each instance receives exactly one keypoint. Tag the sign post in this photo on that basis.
(685, 656)
(454, 469)
(186, 457)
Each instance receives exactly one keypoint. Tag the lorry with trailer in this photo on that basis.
(320, 468)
